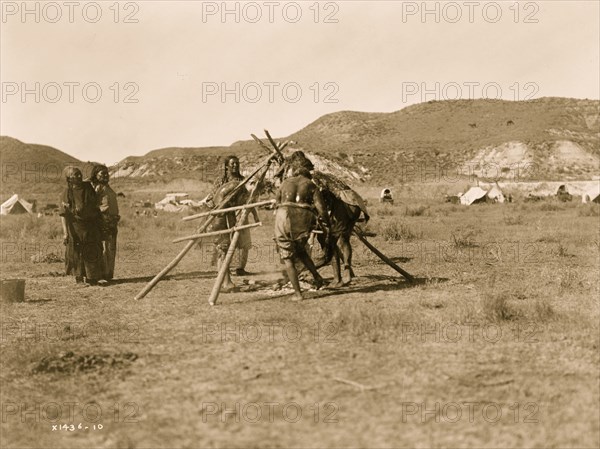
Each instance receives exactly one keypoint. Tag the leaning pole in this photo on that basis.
(150, 285)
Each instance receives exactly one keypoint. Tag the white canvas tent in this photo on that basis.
(495, 194)
(170, 207)
(176, 202)
(16, 205)
(592, 195)
(386, 196)
(473, 195)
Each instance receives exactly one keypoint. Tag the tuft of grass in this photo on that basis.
(569, 280)
(589, 210)
(496, 307)
(512, 220)
(385, 212)
(417, 211)
(551, 207)
(394, 231)
(543, 310)
(464, 237)
(548, 238)
(561, 251)
(372, 324)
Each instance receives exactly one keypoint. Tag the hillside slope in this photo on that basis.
(560, 137)
(30, 167)
(544, 139)
(548, 138)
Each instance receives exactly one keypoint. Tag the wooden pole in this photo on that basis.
(229, 209)
(213, 233)
(274, 151)
(383, 257)
(214, 294)
(150, 285)
(276, 147)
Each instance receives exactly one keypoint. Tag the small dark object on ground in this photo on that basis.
(69, 362)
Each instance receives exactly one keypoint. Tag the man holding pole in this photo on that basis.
(299, 203)
(226, 221)
(231, 172)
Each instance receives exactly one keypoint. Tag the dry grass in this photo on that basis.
(393, 231)
(512, 219)
(29, 228)
(430, 342)
(589, 210)
(417, 211)
(464, 237)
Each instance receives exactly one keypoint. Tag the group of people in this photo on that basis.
(89, 214)
(301, 208)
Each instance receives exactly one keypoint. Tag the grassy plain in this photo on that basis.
(495, 345)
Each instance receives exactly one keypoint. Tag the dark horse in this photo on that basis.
(345, 207)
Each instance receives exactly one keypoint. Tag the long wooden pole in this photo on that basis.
(229, 209)
(150, 285)
(277, 148)
(214, 294)
(224, 268)
(383, 257)
(213, 233)
(266, 147)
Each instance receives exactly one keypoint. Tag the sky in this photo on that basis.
(105, 80)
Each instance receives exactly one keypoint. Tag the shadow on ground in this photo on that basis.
(169, 277)
(398, 284)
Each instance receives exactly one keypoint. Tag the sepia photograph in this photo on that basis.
(300, 224)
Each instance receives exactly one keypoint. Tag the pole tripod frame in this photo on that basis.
(224, 268)
(150, 285)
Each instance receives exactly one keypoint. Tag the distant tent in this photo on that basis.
(386, 196)
(592, 195)
(172, 202)
(169, 207)
(495, 194)
(16, 205)
(563, 194)
(473, 195)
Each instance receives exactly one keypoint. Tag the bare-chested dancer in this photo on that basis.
(299, 202)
